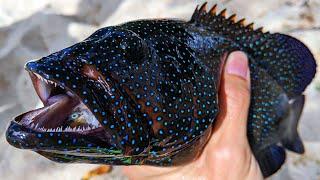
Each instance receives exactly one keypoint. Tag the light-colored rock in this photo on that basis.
(306, 166)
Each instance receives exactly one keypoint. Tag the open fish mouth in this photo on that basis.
(63, 110)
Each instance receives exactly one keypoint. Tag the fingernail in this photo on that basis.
(237, 64)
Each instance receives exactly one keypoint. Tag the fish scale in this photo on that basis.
(153, 85)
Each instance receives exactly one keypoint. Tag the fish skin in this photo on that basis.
(153, 85)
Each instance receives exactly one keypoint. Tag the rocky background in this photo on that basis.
(32, 29)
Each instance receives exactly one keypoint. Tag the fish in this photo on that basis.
(146, 92)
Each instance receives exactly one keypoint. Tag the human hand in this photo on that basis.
(227, 154)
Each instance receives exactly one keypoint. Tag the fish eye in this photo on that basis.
(74, 115)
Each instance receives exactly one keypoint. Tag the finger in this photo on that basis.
(234, 98)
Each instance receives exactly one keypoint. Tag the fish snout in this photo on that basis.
(31, 65)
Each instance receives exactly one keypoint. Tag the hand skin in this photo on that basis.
(227, 154)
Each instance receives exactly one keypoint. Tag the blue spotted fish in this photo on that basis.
(146, 92)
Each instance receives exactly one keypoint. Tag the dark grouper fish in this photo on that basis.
(146, 92)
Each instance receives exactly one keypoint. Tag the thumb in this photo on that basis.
(234, 97)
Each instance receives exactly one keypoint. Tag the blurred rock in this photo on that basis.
(306, 166)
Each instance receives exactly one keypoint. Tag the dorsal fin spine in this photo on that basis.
(202, 13)
(223, 13)
(233, 18)
(213, 10)
(203, 8)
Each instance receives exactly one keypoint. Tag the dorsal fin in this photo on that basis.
(201, 15)
(285, 58)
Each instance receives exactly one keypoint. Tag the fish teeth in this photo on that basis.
(38, 76)
(47, 81)
(68, 129)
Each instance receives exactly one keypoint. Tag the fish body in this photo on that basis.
(146, 92)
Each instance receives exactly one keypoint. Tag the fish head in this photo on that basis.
(87, 113)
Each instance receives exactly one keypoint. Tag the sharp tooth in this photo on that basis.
(36, 127)
(74, 129)
(38, 76)
(69, 93)
(32, 125)
(67, 128)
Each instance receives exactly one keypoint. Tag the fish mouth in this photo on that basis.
(62, 111)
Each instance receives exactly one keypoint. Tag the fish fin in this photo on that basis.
(202, 17)
(302, 56)
(269, 106)
(270, 159)
(290, 137)
(285, 58)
